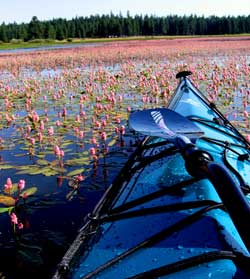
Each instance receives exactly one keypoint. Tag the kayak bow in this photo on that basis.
(179, 208)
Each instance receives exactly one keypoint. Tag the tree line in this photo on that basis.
(100, 26)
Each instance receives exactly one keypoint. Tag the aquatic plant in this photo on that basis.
(11, 197)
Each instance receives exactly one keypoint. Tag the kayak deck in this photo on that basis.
(157, 221)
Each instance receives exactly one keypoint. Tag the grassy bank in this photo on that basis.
(41, 43)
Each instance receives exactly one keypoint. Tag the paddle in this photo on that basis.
(163, 123)
(179, 130)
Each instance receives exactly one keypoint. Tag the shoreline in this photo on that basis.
(92, 42)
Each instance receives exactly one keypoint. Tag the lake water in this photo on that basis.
(87, 105)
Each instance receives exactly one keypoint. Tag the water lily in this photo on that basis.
(21, 184)
(20, 226)
(8, 185)
(13, 218)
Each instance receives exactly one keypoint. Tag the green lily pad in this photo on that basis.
(7, 200)
(6, 209)
(42, 162)
(49, 171)
(78, 161)
(75, 172)
(29, 192)
(5, 167)
(66, 143)
(112, 142)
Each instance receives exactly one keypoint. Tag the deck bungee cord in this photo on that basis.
(156, 238)
(209, 123)
(181, 265)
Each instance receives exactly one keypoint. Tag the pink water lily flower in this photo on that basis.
(21, 184)
(92, 151)
(8, 184)
(20, 226)
(245, 113)
(13, 218)
(104, 136)
(57, 150)
(51, 131)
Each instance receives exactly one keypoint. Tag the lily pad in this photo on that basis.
(78, 161)
(112, 142)
(42, 162)
(6, 209)
(5, 167)
(7, 200)
(75, 172)
(29, 192)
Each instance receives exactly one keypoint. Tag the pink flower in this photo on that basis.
(64, 113)
(81, 134)
(41, 125)
(20, 226)
(78, 119)
(98, 124)
(13, 218)
(51, 131)
(28, 129)
(58, 123)
(104, 123)
(21, 184)
(245, 113)
(92, 151)
(244, 104)
(32, 141)
(93, 140)
(57, 150)
(104, 136)
(8, 184)
(40, 137)
(79, 177)
(122, 130)
(35, 116)
(128, 109)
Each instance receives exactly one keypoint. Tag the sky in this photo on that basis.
(23, 10)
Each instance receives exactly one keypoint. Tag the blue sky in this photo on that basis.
(23, 10)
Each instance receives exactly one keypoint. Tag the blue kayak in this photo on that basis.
(179, 208)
